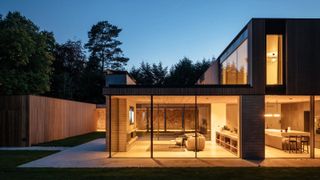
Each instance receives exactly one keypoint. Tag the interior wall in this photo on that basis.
(232, 116)
(131, 127)
(100, 118)
(218, 118)
(121, 127)
(292, 115)
(204, 122)
(272, 122)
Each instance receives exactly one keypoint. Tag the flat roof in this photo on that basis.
(178, 90)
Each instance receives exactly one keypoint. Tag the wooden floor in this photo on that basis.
(140, 149)
(271, 152)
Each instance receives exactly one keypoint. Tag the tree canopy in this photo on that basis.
(150, 74)
(32, 62)
(25, 56)
(185, 72)
(104, 46)
(68, 70)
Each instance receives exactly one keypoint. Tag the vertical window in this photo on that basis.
(274, 62)
(234, 70)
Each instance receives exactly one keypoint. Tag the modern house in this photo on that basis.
(259, 99)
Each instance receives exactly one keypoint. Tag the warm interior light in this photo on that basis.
(276, 115)
(273, 56)
(272, 115)
(267, 115)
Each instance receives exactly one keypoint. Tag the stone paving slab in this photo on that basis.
(93, 155)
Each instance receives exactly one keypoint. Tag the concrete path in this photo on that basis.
(93, 155)
(34, 148)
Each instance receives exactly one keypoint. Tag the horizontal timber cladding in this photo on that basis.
(14, 120)
(196, 90)
(53, 119)
(252, 127)
(303, 56)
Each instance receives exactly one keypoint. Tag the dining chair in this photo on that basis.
(293, 143)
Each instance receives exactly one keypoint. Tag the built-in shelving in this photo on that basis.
(228, 141)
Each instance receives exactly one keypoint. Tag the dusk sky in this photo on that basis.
(162, 30)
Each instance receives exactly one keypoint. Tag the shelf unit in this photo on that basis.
(228, 141)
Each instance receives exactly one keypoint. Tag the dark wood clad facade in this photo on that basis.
(303, 56)
(14, 117)
(252, 127)
(257, 55)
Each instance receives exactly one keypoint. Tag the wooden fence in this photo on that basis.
(27, 120)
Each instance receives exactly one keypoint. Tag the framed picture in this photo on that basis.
(131, 115)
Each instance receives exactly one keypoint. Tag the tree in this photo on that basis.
(150, 74)
(182, 73)
(92, 82)
(25, 56)
(185, 72)
(68, 70)
(200, 67)
(160, 74)
(143, 75)
(104, 46)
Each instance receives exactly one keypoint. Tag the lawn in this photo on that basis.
(163, 173)
(10, 159)
(75, 140)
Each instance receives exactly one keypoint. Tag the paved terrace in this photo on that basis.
(93, 155)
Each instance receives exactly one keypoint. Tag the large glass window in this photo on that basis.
(274, 60)
(234, 70)
(218, 124)
(317, 126)
(175, 126)
(287, 126)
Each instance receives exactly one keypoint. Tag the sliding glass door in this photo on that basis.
(287, 127)
(174, 126)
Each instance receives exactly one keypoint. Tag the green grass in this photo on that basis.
(75, 140)
(163, 173)
(10, 159)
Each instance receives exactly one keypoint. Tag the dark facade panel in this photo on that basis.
(14, 120)
(256, 58)
(303, 56)
(195, 90)
(252, 127)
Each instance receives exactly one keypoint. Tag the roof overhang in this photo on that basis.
(176, 90)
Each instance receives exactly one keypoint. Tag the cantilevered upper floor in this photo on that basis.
(272, 56)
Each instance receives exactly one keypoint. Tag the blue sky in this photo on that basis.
(159, 30)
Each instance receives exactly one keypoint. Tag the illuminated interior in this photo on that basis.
(183, 126)
(274, 60)
(287, 127)
(234, 69)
